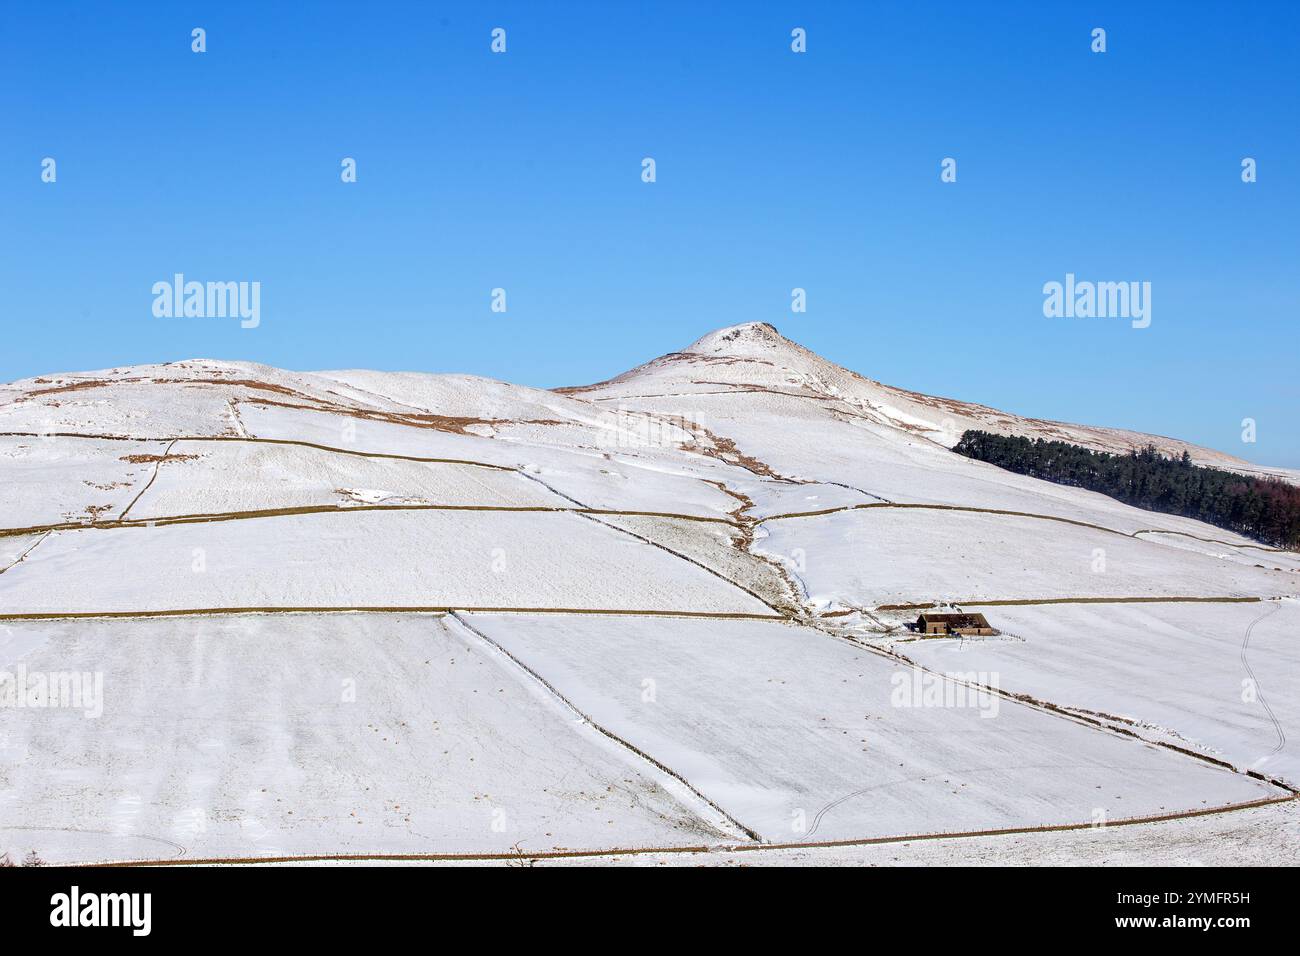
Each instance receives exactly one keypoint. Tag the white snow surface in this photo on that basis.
(253, 736)
(799, 735)
(671, 504)
(1219, 678)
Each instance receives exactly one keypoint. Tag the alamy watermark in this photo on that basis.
(1103, 300)
(628, 428)
(75, 908)
(69, 690)
(208, 300)
(976, 690)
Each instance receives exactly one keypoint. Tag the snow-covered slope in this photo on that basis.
(756, 357)
(365, 612)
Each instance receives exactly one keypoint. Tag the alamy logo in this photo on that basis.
(72, 690)
(626, 428)
(215, 300)
(103, 909)
(1102, 300)
(922, 688)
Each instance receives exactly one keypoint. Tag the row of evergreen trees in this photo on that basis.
(1266, 510)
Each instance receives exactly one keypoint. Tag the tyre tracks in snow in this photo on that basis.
(1245, 662)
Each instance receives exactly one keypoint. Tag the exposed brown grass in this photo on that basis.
(155, 459)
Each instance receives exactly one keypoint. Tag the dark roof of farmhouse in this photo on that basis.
(955, 619)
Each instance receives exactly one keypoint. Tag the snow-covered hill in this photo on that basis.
(757, 357)
(362, 612)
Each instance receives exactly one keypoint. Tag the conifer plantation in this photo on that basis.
(1266, 510)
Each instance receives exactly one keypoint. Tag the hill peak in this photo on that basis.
(743, 339)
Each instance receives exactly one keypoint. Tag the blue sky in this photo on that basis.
(775, 170)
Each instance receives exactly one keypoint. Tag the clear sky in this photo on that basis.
(775, 170)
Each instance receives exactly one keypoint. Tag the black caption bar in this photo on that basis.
(304, 904)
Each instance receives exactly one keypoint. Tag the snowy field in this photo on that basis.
(894, 556)
(367, 559)
(1184, 673)
(259, 736)
(1263, 836)
(271, 476)
(51, 481)
(731, 682)
(797, 734)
